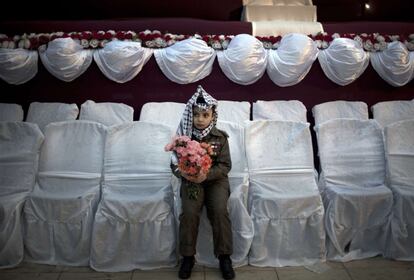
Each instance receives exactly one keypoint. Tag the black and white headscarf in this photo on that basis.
(186, 125)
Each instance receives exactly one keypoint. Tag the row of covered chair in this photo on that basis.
(104, 196)
(109, 113)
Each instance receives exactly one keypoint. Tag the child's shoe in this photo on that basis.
(186, 267)
(226, 267)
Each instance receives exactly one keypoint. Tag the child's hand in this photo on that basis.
(201, 177)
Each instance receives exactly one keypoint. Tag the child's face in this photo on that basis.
(202, 118)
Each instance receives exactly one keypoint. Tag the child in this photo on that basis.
(211, 189)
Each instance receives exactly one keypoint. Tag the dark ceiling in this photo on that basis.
(328, 10)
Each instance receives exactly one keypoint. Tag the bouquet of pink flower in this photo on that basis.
(193, 157)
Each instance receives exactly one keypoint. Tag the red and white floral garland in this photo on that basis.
(155, 39)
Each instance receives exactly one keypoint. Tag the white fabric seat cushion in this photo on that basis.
(107, 113)
(44, 113)
(11, 112)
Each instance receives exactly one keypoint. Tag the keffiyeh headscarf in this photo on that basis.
(200, 99)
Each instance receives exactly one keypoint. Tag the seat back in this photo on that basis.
(292, 110)
(278, 145)
(237, 147)
(19, 149)
(44, 113)
(107, 113)
(340, 109)
(234, 111)
(167, 113)
(399, 146)
(351, 153)
(137, 148)
(11, 112)
(389, 112)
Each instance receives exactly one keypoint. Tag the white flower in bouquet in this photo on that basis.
(20, 45)
(409, 45)
(160, 43)
(276, 45)
(368, 46)
(147, 32)
(94, 43)
(197, 36)
(411, 37)
(16, 38)
(103, 43)
(150, 44)
(359, 40)
(324, 45)
(11, 45)
(318, 44)
(222, 37)
(216, 45)
(5, 44)
(383, 46)
(394, 37)
(3, 36)
(112, 32)
(267, 45)
(170, 42)
(84, 43)
(377, 47)
(380, 38)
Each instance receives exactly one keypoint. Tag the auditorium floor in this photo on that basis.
(369, 269)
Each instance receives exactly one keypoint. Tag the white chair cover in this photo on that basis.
(44, 113)
(107, 113)
(241, 223)
(284, 27)
(134, 225)
(167, 113)
(244, 61)
(395, 64)
(18, 66)
(234, 111)
(66, 59)
(291, 62)
(59, 212)
(121, 61)
(343, 61)
(186, 61)
(279, 110)
(357, 204)
(388, 112)
(340, 109)
(19, 148)
(284, 201)
(11, 112)
(399, 140)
